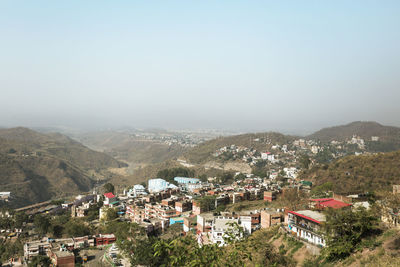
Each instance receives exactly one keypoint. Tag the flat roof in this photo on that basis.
(220, 223)
(61, 254)
(314, 216)
(335, 204)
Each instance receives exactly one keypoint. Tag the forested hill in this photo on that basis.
(353, 174)
(259, 141)
(364, 129)
(36, 167)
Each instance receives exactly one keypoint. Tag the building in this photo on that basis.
(291, 172)
(269, 196)
(158, 184)
(62, 258)
(268, 156)
(189, 223)
(306, 224)
(331, 203)
(221, 226)
(35, 248)
(189, 184)
(375, 138)
(4, 196)
(183, 206)
(105, 239)
(270, 218)
(109, 199)
(137, 191)
(204, 222)
(175, 220)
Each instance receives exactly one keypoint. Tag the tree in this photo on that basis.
(321, 191)
(108, 187)
(304, 161)
(40, 260)
(207, 203)
(76, 227)
(203, 178)
(20, 218)
(170, 174)
(42, 223)
(225, 178)
(240, 176)
(111, 214)
(345, 230)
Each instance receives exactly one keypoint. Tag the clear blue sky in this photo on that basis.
(255, 65)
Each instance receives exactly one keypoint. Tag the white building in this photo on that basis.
(291, 172)
(306, 224)
(158, 184)
(137, 190)
(221, 226)
(314, 149)
(268, 156)
(375, 138)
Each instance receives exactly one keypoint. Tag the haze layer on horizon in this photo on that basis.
(259, 65)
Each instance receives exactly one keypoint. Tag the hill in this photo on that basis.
(364, 129)
(37, 167)
(354, 174)
(258, 141)
(130, 148)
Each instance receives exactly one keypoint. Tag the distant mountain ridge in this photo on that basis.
(364, 129)
(36, 167)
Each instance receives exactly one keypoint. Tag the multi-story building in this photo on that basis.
(62, 258)
(270, 218)
(158, 184)
(158, 211)
(221, 226)
(35, 248)
(182, 206)
(110, 199)
(137, 191)
(269, 196)
(204, 222)
(306, 224)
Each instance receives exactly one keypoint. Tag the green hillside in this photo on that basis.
(352, 174)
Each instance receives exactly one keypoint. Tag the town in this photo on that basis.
(207, 210)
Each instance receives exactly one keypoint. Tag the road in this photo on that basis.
(95, 258)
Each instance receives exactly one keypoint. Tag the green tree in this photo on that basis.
(76, 227)
(40, 260)
(111, 214)
(42, 223)
(108, 187)
(304, 161)
(20, 218)
(345, 230)
(170, 174)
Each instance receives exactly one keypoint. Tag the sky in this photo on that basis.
(293, 66)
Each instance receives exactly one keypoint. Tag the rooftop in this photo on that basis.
(224, 223)
(314, 216)
(61, 254)
(335, 204)
(109, 195)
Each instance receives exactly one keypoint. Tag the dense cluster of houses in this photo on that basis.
(60, 251)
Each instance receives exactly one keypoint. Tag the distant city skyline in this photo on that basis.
(288, 66)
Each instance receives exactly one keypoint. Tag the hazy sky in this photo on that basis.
(255, 65)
